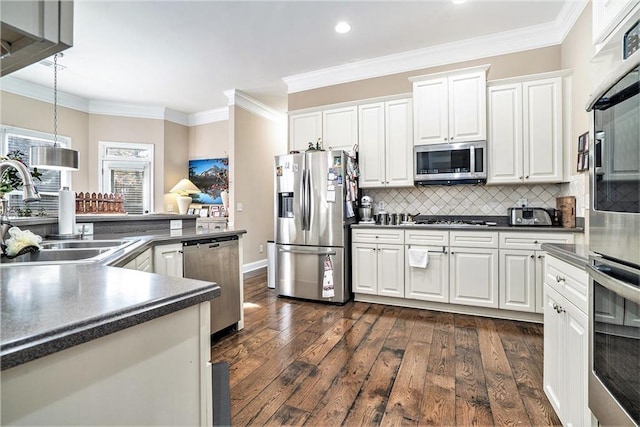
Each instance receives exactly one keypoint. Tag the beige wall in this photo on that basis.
(502, 66)
(255, 141)
(26, 113)
(176, 161)
(209, 141)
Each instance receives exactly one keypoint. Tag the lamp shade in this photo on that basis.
(185, 187)
(55, 157)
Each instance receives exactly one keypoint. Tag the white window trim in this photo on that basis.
(63, 141)
(148, 163)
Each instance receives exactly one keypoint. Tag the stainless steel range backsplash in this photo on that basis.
(465, 199)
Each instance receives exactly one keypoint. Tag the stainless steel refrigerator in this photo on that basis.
(315, 193)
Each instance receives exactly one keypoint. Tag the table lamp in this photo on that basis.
(183, 189)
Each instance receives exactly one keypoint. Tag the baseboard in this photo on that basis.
(247, 268)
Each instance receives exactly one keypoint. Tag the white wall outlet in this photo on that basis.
(261, 248)
(175, 224)
(85, 228)
(522, 202)
(239, 207)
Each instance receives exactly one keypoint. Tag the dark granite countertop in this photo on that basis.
(577, 255)
(46, 309)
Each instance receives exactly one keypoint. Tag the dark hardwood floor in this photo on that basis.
(299, 362)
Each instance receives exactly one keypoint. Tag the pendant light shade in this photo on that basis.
(57, 158)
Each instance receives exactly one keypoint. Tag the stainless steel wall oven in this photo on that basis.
(614, 236)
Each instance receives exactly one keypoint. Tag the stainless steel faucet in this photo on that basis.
(29, 192)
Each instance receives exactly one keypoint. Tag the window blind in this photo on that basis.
(129, 183)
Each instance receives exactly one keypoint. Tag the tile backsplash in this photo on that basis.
(465, 199)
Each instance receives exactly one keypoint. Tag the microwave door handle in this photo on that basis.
(624, 289)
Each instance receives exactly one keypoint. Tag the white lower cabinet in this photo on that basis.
(431, 283)
(167, 260)
(143, 262)
(473, 273)
(566, 347)
(378, 262)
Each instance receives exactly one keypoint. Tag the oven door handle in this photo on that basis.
(625, 290)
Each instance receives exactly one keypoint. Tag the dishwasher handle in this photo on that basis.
(216, 241)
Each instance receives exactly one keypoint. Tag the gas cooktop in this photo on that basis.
(454, 221)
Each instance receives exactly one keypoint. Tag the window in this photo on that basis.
(50, 182)
(127, 169)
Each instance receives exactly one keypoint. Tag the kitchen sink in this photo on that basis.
(56, 255)
(69, 251)
(82, 244)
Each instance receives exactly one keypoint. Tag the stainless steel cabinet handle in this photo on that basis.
(294, 251)
(532, 256)
(526, 177)
(540, 256)
(559, 279)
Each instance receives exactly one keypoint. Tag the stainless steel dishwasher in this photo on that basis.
(216, 260)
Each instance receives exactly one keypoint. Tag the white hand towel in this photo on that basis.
(418, 258)
(327, 280)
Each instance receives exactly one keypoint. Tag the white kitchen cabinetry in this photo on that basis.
(473, 268)
(431, 283)
(607, 14)
(378, 262)
(525, 131)
(450, 107)
(566, 340)
(522, 268)
(385, 144)
(167, 260)
(303, 129)
(143, 262)
(566, 355)
(340, 128)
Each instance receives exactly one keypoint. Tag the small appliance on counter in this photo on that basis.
(366, 210)
(531, 216)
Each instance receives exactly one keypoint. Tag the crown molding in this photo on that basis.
(210, 116)
(248, 103)
(533, 37)
(42, 93)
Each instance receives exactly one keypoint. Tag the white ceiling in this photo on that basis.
(184, 54)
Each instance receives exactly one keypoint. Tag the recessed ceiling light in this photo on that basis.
(343, 27)
(458, 1)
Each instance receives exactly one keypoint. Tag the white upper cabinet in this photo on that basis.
(340, 128)
(450, 107)
(385, 148)
(303, 129)
(525, 131)
(607, 14)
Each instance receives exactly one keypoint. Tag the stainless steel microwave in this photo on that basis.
(447, 164)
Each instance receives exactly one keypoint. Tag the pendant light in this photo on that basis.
(54, 157)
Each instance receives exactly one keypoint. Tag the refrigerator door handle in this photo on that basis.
(298, 251)
(304, 199)
(309, 201)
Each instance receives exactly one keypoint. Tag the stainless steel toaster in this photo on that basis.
(530, 216)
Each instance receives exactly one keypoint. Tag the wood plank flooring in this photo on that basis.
(303, 363)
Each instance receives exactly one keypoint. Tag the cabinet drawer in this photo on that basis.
(426, 237)
(474, 239)
(570, 281)
(376, 235)
(532, 241)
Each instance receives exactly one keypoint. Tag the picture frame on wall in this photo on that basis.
(582, 163)
(190, 211)
(204, 212)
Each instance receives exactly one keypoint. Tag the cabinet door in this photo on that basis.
(365, 270)
(474, 276)
(390, 270)
(540, 275)
(576, 367)
(399, 143)
(340, 128)
(430, 111)
(167, 260)
(467, 107)
(371, 156)
(517, 280)
(542, 127)
(504, 139)
(431, 283)
(554, 350)
(303, 129)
